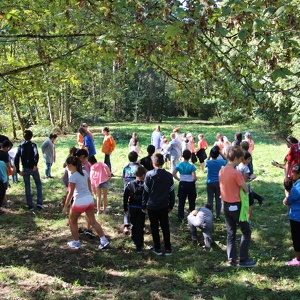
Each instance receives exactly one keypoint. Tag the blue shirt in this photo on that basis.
(185, 169)
(89, 143)
(213, 168)
(294, 201)
(3, 172)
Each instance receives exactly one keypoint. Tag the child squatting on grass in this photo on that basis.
(293, 201)
(80, 188)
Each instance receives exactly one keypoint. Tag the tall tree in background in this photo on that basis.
(240, 54)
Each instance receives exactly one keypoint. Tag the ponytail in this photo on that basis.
(75, 161)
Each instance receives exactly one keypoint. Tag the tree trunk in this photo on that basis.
(13, 103)
(149, 108)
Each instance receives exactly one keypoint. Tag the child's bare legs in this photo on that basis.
(104, 190)
(98, 192)
(202, 166)
(73, 222)
(92, 221)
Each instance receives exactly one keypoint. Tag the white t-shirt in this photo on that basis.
(81, 186)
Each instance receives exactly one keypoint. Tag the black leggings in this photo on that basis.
(295, 230)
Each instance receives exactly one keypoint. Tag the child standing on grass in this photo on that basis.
(243, 167)
(129, 175)
(187, 184)
(132, 201)
(214, 166)
(201, 154)
(293, 201)
(164, 151)
(80, 188)
(231, 182)
(147, 161)
(158, 201)
(99, 176)
(3, 183)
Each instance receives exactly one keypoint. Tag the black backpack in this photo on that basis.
(136, 192)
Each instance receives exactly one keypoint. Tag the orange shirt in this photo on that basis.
(109, 144)
(230, 184)
(202, 144)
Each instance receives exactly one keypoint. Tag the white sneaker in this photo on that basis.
(74, 244)
(103, 244)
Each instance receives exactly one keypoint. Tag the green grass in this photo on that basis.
(36, 264)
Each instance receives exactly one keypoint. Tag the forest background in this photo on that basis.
(63, 61)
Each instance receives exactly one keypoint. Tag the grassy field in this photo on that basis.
(35, 262)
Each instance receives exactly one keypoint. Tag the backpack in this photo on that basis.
(136, 192)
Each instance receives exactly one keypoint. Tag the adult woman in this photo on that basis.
(80, 137)
(48, 150)
(156, 138)
(88, 142)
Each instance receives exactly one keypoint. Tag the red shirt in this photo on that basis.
(293, 157)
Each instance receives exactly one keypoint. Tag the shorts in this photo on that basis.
(82, 209)
(103, 185)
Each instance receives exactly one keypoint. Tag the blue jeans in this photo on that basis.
(232, 213)
(107, 161)
(48, 169)
(36, 177)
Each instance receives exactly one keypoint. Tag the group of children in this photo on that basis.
(149, 189)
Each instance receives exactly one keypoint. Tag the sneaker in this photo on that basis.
(156, 251)
(103, 244)
(231, 263)
(81, 231)
(249, 263)
(139, 250)
(168, 252)
(126, 230)
(261, 201)
(74, 244)
(30, 208)
(40, 206)
(293, 263)
(89, 232)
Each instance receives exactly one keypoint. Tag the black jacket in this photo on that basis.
(158, 190)
(29, 155)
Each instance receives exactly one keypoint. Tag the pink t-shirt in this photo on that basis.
(99, 173)
(230, 184)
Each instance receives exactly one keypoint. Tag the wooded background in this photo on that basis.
(64, 61)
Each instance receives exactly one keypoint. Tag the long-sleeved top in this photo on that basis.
(109, 144)
(89, 144)
(48, 149)
(133, 193)
(174, 149)
(158, 190)
(29, 155)
(294, 202)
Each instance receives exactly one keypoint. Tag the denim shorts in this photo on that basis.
(103, 185)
